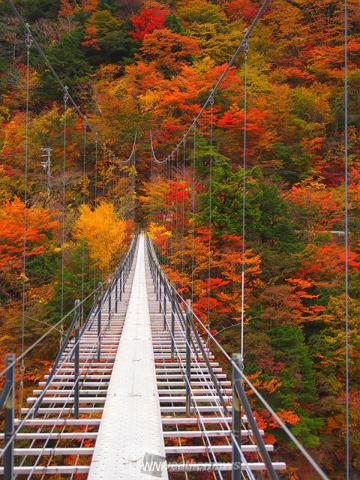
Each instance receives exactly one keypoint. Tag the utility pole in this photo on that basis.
(47, 167)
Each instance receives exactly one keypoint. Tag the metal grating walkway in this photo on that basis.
(131, 423)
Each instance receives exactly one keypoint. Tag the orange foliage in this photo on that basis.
(327, 263)
(169, 50)
(89, 6)
(66, 9)
(12, 232)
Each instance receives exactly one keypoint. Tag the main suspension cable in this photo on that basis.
(242, 46)
(49, 65)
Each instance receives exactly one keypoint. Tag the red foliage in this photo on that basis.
(90, 37)
(240, 9)
(328, 260)
(148, 20)
(178, 193)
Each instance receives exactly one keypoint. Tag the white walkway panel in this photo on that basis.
(131, 423)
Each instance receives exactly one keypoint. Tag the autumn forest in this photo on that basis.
(247, 211)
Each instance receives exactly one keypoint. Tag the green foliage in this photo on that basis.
(68, 57)
(306, 430)
(297, 377)
(36, 9)
(115, 45)
(79, 275)
(172, 22)
(267, 219)
(200, 12)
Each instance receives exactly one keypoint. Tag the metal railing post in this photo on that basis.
(157, 284)
(99, 323)
(251, 420)
(116, 293)
(120, 287)
(188, 357)
(123, 279)
(236, 420)
(164, 309)
(173, 300)
(160, 284)
(154, 275)
(77, 360)
(109, 305)
(9, 418)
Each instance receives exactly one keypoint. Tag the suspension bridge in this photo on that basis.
(141, 387)
(136, 388)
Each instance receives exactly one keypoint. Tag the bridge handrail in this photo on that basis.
(7, 394)
(95, 307)
(237, 368)
(169, 291)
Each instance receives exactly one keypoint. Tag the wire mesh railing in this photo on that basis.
(68, 352)
(193, 329)
(195, 349)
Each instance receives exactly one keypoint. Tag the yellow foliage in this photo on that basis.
(104, 234)
(159, 235)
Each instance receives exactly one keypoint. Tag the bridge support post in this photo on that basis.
(77, 360)
(173, 300)
(188, 357)
(239, 387)
(236, 419)
(99, 324)
(9, 418)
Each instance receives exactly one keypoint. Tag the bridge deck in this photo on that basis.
(131, 422)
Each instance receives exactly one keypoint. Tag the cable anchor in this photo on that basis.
(28, 37)
(66, 95)
(211, 98)
(246, 48)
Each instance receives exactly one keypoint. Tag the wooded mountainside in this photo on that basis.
(143, 68)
